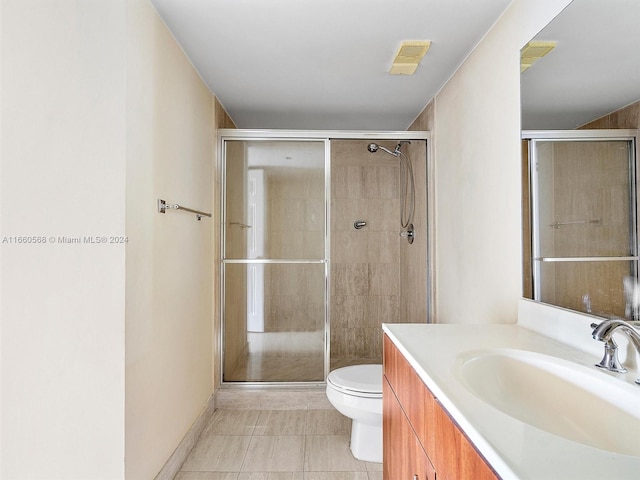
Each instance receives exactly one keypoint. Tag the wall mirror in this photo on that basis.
(580, 115)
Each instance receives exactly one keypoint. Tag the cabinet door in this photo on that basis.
(416, 400)
(395, 451)
(422, 468)
(454, 455)
(417, 431)
(404, 458)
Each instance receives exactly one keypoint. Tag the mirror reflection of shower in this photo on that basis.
(407, 187)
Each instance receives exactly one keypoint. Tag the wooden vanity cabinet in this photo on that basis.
(404, 457)
(420, 440)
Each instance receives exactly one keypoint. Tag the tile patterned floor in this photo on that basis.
(276, 445)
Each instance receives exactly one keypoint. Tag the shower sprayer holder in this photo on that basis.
(409, 234)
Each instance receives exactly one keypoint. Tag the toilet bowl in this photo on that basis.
(356, 392)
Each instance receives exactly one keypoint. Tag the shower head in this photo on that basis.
(373, 147)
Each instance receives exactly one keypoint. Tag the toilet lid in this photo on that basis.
(360, 379)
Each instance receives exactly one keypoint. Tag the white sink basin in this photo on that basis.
(578, 403)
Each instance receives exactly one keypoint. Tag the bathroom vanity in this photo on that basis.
(482, 402)
(419, 437)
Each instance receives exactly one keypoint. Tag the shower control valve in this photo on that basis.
(358, 224)
(409, 233)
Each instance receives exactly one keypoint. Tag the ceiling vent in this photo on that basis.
(534, 51)
(409, 56)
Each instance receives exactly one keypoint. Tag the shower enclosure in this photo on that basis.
(299, 295)
(584, 218)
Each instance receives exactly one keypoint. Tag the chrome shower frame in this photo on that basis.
(224, 135)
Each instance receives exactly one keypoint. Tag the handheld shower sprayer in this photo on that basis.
(407, 183)
(373, 147)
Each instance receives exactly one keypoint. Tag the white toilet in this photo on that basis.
(356, 392)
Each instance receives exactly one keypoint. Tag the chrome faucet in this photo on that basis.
(603, 332)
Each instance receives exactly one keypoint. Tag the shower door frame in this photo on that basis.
(327, 136)
(533, 137)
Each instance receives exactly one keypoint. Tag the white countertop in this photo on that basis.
(516, 450)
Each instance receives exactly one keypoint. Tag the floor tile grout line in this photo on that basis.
(304, 450)
(244, 458)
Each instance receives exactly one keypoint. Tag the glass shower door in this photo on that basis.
(274, 261)
(584, 221)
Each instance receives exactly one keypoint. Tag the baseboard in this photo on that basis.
(180, 454)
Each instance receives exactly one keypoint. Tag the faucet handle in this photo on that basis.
(409, 233)
(610, 360)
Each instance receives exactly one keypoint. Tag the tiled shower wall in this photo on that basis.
(294, 299)
(367, 266)
(627, 117)
(413, 257)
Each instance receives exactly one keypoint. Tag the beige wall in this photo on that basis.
(477, 205)
(101, 115)
(169, 275)
(63, 174)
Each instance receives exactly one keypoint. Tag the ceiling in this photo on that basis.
(323, 65)
(594, 69)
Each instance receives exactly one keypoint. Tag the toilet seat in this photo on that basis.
(357, 380)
